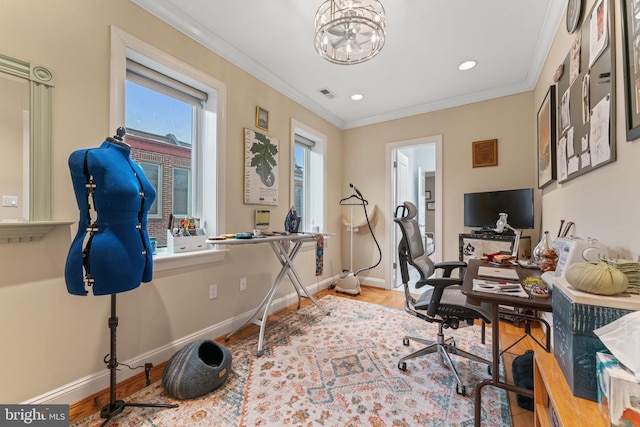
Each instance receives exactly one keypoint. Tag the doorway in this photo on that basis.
(414, 173)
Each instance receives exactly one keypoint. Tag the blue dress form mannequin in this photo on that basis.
(111, 252)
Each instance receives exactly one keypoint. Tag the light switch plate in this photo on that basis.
(10, 201)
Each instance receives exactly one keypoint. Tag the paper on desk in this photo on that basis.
(500, 288)
(622, 338)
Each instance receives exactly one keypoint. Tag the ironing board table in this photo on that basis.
(496, 300)
(286, 257)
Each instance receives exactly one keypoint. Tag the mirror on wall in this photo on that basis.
(14, 128)
(26, 128)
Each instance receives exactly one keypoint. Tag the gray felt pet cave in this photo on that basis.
(196, 370)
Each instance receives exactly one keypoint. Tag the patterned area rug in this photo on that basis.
(337, 370)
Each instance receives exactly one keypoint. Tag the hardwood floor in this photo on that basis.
(509, 333)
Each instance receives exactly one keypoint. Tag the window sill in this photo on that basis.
(165, 260)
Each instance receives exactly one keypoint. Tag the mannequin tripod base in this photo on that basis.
(112, 409)
(115, 407)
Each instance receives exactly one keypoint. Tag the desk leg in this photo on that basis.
(495, 362)
(495, 367)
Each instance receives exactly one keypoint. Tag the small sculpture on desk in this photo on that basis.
(549, 258)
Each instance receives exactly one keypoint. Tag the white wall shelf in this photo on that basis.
(27, 231)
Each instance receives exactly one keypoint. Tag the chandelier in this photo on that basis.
(350, 31)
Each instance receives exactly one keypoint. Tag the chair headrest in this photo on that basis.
(411, 210)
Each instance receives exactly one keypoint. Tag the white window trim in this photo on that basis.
(123, 45)
(317, 207)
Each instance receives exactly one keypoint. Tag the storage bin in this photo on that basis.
(195, 242)
(574, 343)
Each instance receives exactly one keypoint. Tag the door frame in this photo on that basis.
(391, 244)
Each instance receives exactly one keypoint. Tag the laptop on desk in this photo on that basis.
(498, 273)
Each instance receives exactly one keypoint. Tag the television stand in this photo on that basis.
(491, 231)
(477, 245)
(484, 231)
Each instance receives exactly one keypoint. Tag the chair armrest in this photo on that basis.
(449, 266)
(439, 285)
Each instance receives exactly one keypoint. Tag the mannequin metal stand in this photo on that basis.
(114, 407)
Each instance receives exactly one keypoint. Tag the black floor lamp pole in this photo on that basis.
(114, 407)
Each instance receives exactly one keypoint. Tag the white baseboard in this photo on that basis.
(94, 383)
(373, 282)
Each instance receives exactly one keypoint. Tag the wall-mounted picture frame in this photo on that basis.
(431, 206)
(546, 124)
(631, 57)
(262, 118)
(485, 153)
(260, 168)
(427, 195)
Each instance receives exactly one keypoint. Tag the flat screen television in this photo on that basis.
(481, 209)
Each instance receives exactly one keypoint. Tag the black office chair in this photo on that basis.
(444, 303)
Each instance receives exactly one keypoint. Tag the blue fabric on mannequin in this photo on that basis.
(118, 255)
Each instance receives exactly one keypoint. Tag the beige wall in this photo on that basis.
(51, 338)
(506, 119)
(604, 203)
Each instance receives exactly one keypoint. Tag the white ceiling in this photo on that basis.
(416, 71)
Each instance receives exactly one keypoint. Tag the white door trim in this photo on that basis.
(390, 198)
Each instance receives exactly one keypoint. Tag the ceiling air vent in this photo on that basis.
(326, 92)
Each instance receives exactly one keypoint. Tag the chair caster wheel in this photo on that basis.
(464, 390)
(402, 366)
(405, 341)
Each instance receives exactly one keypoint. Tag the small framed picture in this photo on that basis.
(431, 206)
(485, 153)
(427, 195)
(262, 118)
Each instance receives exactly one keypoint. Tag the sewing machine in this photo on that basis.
(574, 249)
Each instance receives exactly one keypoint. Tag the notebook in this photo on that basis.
(498, 273)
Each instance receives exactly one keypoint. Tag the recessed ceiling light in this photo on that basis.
(467, 65)
(357, 97)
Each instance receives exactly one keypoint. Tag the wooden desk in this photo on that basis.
(496, 300)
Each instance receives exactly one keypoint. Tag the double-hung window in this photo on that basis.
(171, 112)
(308, 176)
(162, 117)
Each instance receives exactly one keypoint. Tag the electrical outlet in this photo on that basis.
(213, 291)
(243, 283)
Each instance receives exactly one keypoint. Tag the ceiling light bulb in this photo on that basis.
(467, 65)
(357, 97)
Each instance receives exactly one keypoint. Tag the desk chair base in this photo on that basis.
(444, 347)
